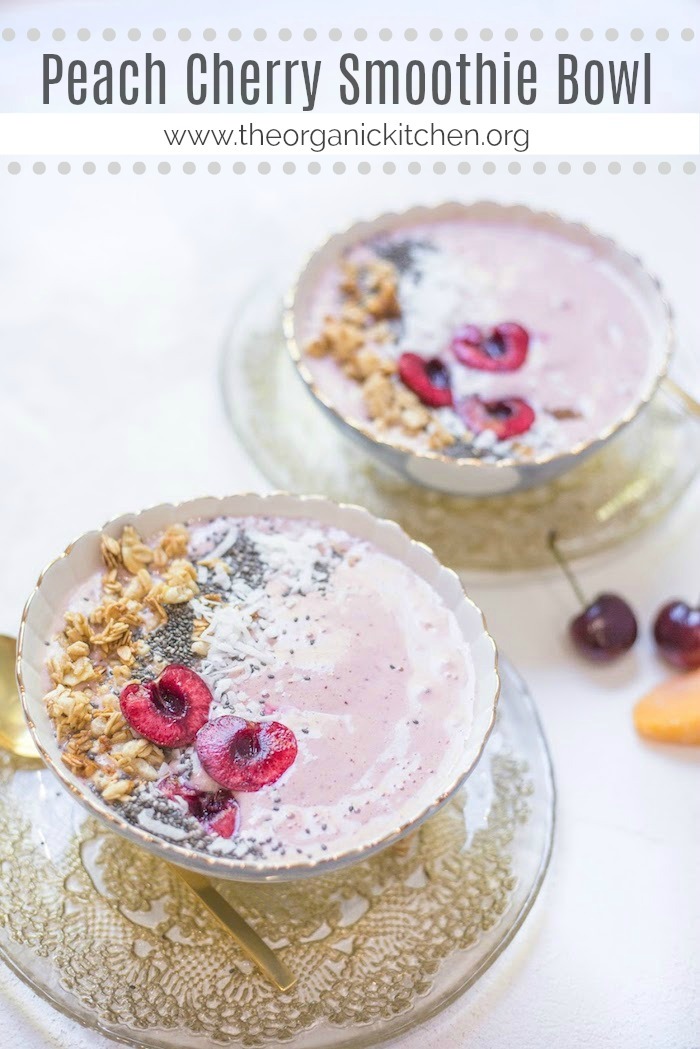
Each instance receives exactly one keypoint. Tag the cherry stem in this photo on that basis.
(564, 565)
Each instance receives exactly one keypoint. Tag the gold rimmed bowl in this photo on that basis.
(474, 475)
(43, 616)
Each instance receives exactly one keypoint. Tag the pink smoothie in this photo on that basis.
(346, 646)
(590, 333)
(369, 671)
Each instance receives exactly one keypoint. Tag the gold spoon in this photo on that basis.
(14, 737)
(244, 934)
(686, 399)
(14, 734)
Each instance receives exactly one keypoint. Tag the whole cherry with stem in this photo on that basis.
(606, 627)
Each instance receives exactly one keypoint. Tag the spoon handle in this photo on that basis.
(676, 391)
(247, 938)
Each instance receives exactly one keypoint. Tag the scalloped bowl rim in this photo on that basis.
(32, 684)
(528, 216)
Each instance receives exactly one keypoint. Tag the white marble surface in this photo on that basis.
(114, 294)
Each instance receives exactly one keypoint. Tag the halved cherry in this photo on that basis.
(169, 711)
(507, 417)
(500, 349)
(245, 755)
(218, 812)
(429, 379)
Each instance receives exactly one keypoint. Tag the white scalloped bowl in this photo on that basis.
(44, 611)
(468, 475)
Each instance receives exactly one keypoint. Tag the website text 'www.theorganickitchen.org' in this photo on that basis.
(382, 135)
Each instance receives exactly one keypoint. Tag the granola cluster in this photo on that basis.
(98, 652)
(370, 305)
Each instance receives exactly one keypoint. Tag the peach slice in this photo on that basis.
(670, 713)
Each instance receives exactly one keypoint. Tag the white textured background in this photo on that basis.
(114, 294)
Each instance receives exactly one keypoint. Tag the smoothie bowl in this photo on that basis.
(256, 687)
(478, 349)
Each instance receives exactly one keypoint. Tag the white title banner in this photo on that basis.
(404, 134)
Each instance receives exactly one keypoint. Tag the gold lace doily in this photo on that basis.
(110, 936)
(629, 484)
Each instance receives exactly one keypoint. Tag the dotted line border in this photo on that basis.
(209, 34)
(8, 34)
(339, 167)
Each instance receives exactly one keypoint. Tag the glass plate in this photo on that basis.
(617, 492)
(111, 937)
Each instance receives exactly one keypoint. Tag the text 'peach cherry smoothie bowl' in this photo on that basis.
(259, 686)
(478, 348)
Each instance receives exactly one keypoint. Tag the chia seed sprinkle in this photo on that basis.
(169, 643)
(403, 254)
(245, 561)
